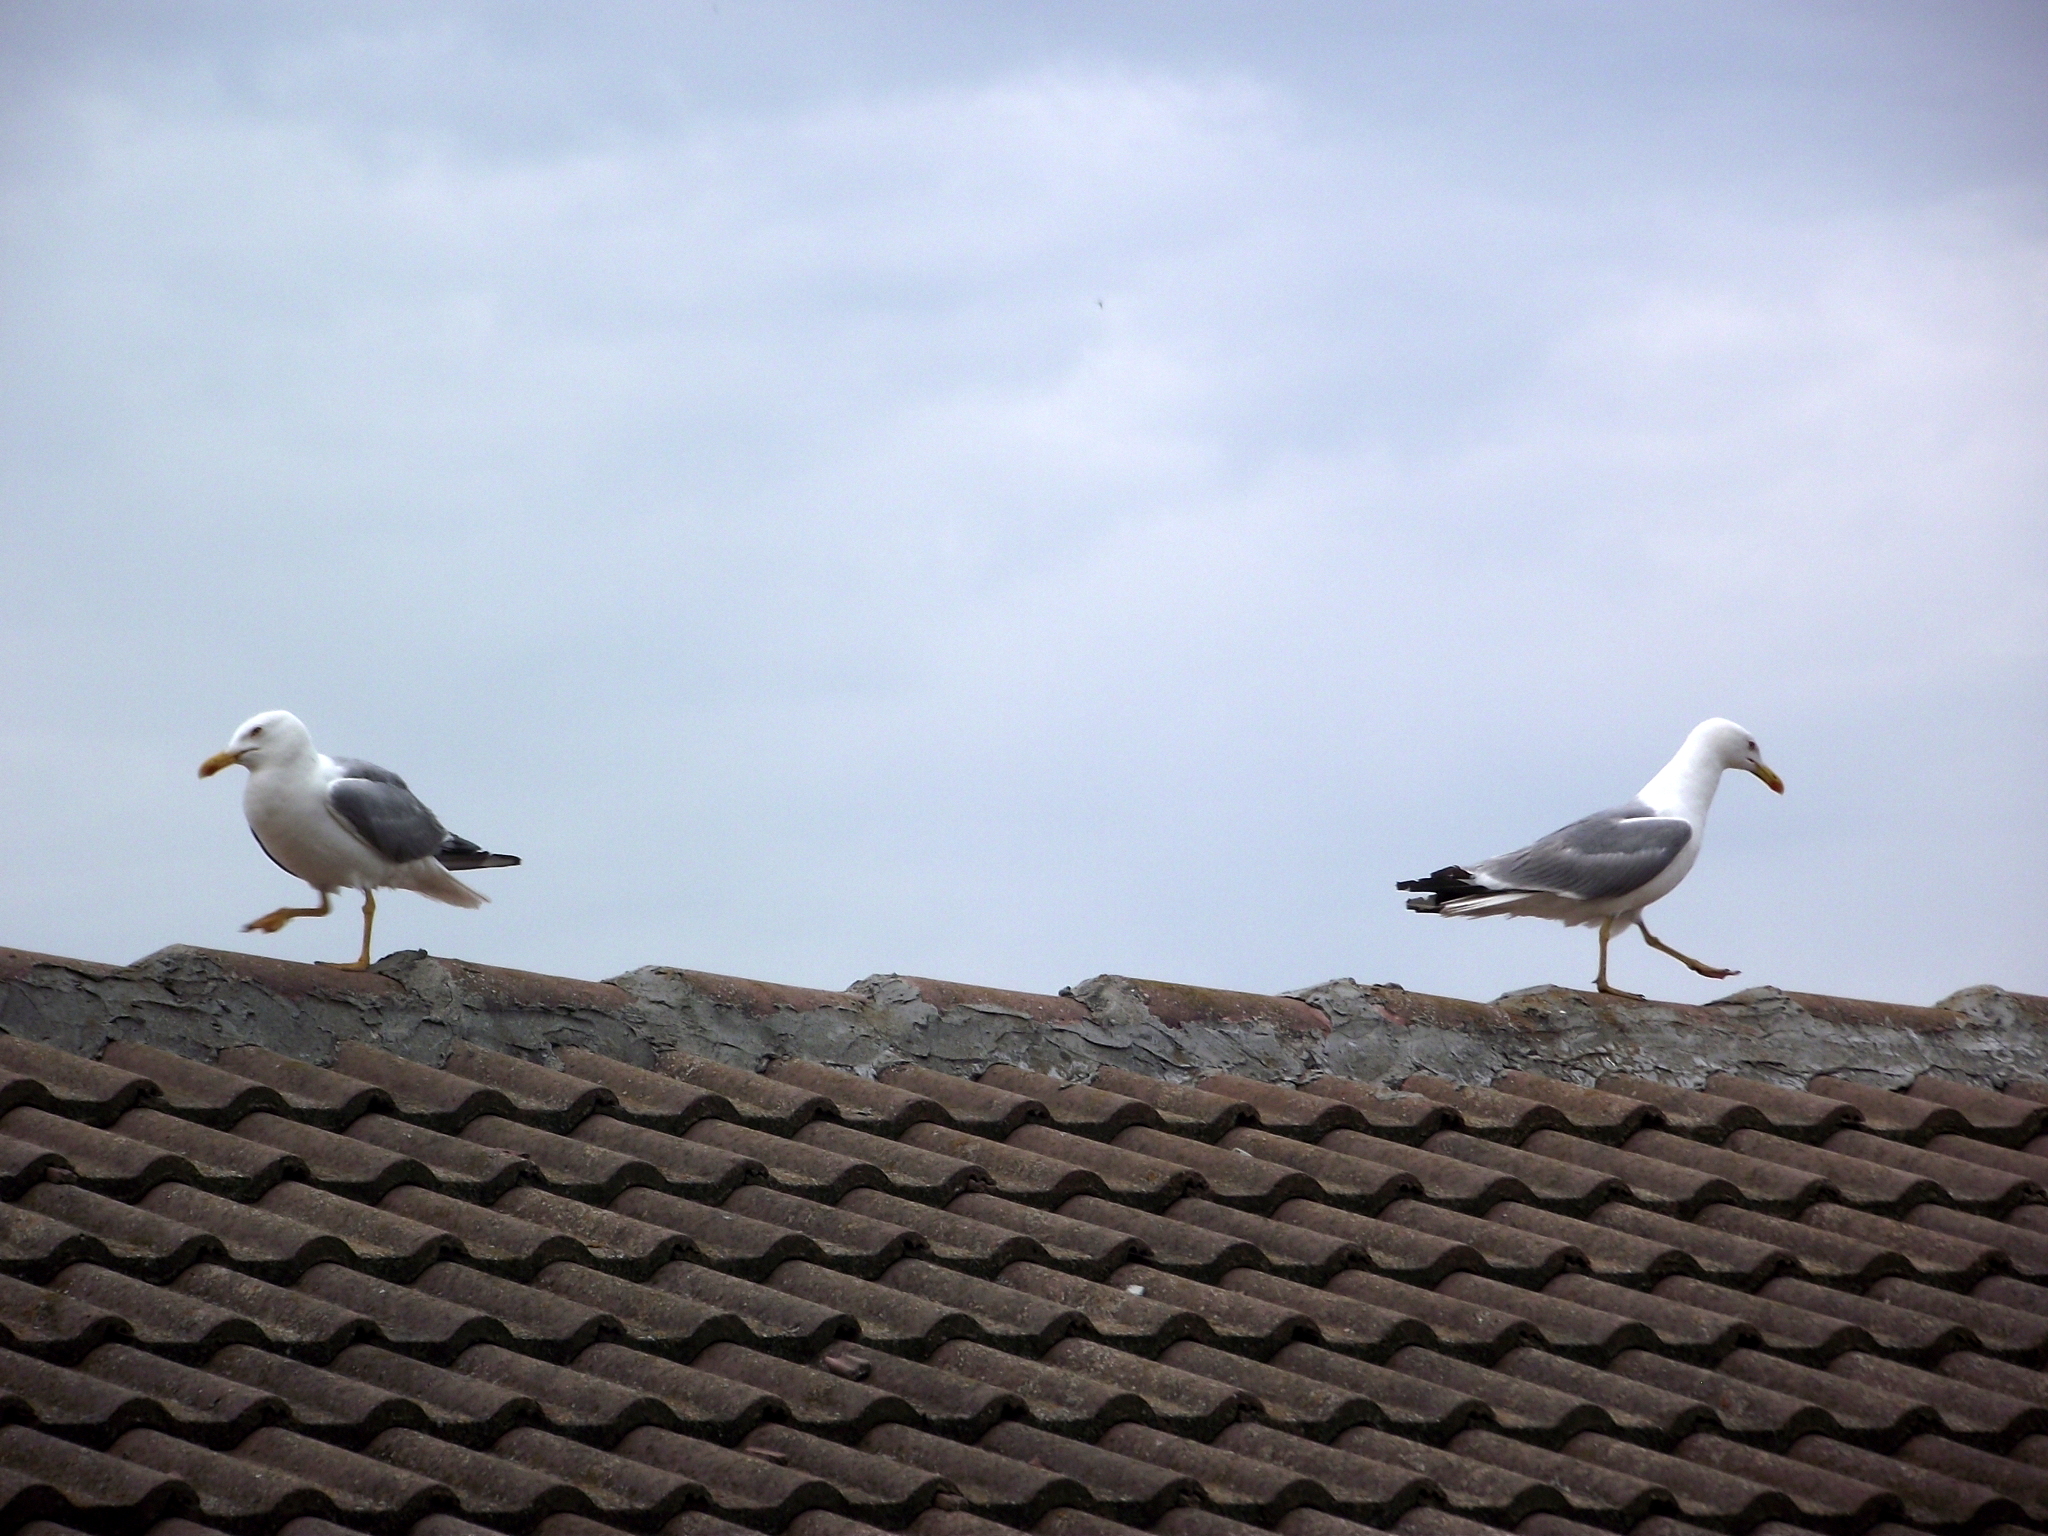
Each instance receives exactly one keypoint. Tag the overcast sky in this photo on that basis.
(1007, 493)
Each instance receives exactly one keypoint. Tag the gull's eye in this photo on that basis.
(257, 730)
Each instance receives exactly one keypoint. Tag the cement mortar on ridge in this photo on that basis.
(199, 1002)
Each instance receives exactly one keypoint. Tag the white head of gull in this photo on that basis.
(1606, 868)
(341, 824)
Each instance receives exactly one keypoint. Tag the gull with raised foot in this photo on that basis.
(341, 824)
(1606, 868)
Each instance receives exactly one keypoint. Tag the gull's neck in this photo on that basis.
(1685, 786)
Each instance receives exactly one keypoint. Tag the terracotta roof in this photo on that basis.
(457, 1276)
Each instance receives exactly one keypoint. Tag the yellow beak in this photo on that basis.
(1759, 770)
(218, 761)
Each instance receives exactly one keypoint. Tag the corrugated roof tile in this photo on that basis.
(690, 1169)
(861, 1102)
(571, 1166)
(1199, 1252)
(492, 1239)
(1688, 1112)
(545, 1099)
(1449, 1181)
(871, 1487)
(1344, 1180)
(320, 1402)
(1184, 1402)
(1624, 1256)
(1488, 1112)
(1114, 1313)
(981, 1108)
(1888, 1112)
(644, 1098)
(1470, 1487)
(1350, 1485)
(1232, 1484)
(44, 1077)
(1895, 1330)
(1065, 1402)
(1816, 1246)
(1079, 1246)
(1422, 1258)
(223, 1164)
(757, 1102)
(236, 1495)
(1727, 1258)
(2026, 1486)
(168, 1322)
(994, 1486)
(1969, 1186)
(1077, 1107)
(1393, 1116)
(889, 1318)
(1820, 1495)
(1346, 1323)
(1590, 1487)
(1183, 1110)
(1593, 1113)
(294, 1323)
(439, 1101)
(1406, 1405)
(1862, 1411)
(1119, 1486)
(384, 1242)
(261, 1243)
(487, 1488)
(192, 1090)
(137, 1242)
(1570, 1328)
(72, 1403)
(1929, 1497)
(1288, 1112)
(1296, 1252)
(1634, 1409)
(34, 1246)
(1003, 1315)
(44, 1478)
(911, 1172)
(1529, 1410)
(701, 1399)
(405, 1318)
(1765, 1185)
(199, 1405)
(844, 1238)
(1997, 1117)
(1512, 1253)
(328, 1099)
(726, 1307)
(1789, 1112)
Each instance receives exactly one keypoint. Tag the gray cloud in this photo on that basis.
(1014, 495)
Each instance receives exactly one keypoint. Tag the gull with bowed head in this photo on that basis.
(341, 824)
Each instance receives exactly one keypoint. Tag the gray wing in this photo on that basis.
(1606, 854)
(377, 806)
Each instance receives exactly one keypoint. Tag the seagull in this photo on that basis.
(1606, 868)
(341, 824)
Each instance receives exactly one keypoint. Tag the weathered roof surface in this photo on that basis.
(438, 1249)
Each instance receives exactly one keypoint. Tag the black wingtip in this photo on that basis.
(1446, 884)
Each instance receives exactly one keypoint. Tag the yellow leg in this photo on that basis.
(270, 922)
(1600, 981)
(362, 961)
(1704, 969)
